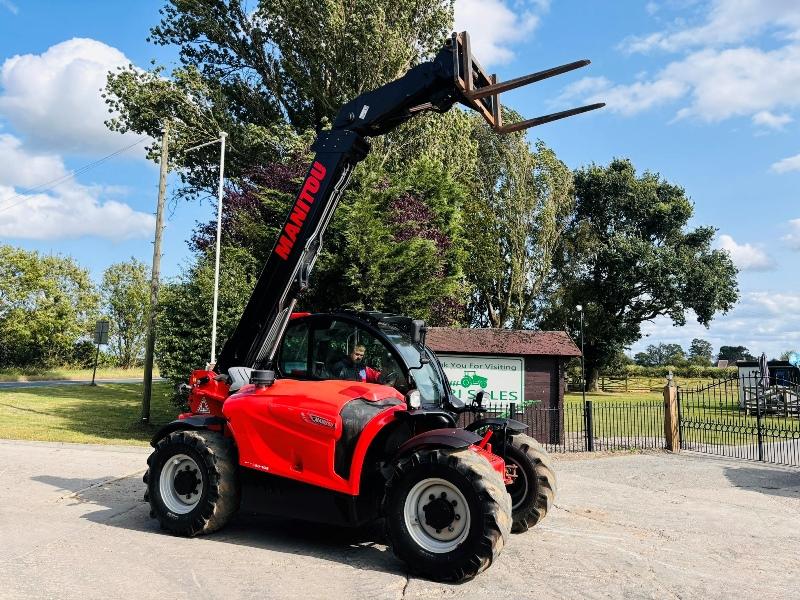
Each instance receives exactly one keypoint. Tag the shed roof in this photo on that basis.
(501, 341)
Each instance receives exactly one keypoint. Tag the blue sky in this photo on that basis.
(704, 92)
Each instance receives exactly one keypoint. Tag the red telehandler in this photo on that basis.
(275, 427)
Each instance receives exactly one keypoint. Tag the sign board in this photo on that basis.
(101, 332)
(501, 379)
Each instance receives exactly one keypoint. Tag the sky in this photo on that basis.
(706, 93)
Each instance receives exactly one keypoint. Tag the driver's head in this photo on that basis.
(357, 355)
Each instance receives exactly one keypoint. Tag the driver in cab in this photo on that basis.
(352, 367)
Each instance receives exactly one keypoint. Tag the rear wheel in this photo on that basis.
(534, 489)
(192, 483)
(447, 513)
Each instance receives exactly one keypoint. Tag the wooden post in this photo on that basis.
(671, 434)
(151, 319)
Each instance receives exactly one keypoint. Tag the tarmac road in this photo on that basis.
(73, 525)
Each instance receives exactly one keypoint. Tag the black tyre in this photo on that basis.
(192, 482)
(534, 490)
(447, 513)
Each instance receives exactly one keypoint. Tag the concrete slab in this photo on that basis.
(73, 524)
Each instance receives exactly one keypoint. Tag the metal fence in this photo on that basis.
(743, 417)
(590, 426)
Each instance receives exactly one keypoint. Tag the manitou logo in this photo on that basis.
(300, 211)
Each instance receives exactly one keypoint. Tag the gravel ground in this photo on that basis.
(73, 525)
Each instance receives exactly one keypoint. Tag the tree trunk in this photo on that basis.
(592, 378)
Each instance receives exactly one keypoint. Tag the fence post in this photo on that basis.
(512, 411)
(588, 425)
(671, 425)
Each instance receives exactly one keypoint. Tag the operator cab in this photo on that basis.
(321, 347)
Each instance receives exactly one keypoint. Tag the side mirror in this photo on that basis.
(418, 331)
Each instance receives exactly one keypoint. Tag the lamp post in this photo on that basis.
(221, 140)
(579, 308)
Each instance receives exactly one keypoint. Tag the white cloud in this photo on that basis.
(763, 321)
(770, 120)
(53, 99)
(493, 27)
(745, 256)
(10, 6)
(727, 22)
(785, 165)
(792, 238)
(718, 84)
(68, 210)
(21, 168)
(719, 76)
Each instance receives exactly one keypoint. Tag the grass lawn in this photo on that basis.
(70, 374)
(606, 397)
(104, 414)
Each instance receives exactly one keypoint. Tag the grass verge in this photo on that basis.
(32, 374)
(103, 414)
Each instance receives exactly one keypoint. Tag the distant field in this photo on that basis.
(70, 374)
(635, 397)
(648, 384)
(106, 414)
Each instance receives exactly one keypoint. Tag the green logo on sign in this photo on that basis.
(472, 378)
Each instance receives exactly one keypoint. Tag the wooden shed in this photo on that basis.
(522, 367)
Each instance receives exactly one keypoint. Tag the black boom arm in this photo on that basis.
(452, 76)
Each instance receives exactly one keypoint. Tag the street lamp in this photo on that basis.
(221, 140)
(579, 308)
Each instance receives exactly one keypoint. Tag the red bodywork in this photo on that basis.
(290, 428)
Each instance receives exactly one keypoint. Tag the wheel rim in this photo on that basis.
(519, 489)
(437, 515)
(181, 484)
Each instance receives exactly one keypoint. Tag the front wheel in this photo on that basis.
(534, 489)
(447, 513)
(192, 482)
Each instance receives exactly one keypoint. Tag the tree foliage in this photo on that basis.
(627, 256)
(260, 74)
(47, 303)
(523, 198)
(661, 355)
(734, 353)
(184, 322)
(126, 300)
(701, 352)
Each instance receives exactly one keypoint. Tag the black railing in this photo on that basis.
(593, 426)
(743, 417)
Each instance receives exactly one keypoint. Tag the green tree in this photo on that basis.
(47, 303)
(785, 355)
(262, 72)
(701, 352)
(396, 245)
(183, 342)
(734, 353)
(126, 299)
(514, 221)
(627, 256)
(661, 355)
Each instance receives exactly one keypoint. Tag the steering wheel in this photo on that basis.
(389, 378)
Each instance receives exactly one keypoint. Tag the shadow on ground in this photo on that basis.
(774, 481)
(122, 505)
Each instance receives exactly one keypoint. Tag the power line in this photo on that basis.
(53, 183)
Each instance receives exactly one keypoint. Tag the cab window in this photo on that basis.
(337, 349)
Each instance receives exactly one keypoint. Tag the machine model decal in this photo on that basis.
(317, 420)
(300, 211)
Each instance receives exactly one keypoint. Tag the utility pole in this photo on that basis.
(151, 321)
